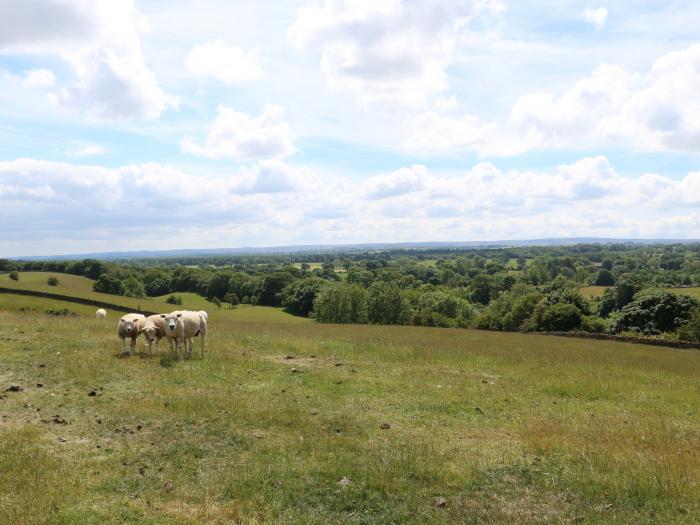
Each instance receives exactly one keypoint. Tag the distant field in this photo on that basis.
(75, 286)
(289, 421)
(693, 292)
(593, 292)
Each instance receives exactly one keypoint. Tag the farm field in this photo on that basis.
(593, 292)
(693, 291)
(289, 421)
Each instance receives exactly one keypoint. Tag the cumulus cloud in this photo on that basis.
(391, 51)
(125, 208)
(596, 17)
(100, 40)
(653, 112)
(224, 62)
(235, 135)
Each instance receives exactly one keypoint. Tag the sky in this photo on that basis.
(171, 124)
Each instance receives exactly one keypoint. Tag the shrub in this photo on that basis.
(560, 317)
(52, 281)
(14, 276)
(339, 302)
(593, 324)
(174, 299)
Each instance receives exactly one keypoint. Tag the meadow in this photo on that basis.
(289, 421)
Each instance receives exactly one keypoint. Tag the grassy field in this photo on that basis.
(693, 291)
(593, 292)
(288, 421)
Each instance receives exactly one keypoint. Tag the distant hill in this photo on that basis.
(340, 248)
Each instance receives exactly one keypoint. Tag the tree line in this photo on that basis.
(509, 289)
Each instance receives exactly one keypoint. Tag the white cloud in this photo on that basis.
(151, 205)
(391, 52)
(596, 17)
(86, 150)
(653, 112)
(39, 78)
(32, 78)
(100, 40)
(238, 136)
(224, 62)
(400, 182)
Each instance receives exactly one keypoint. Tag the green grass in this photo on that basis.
(508, 428)
(189, 300)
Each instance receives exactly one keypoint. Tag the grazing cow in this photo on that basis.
(181, 326)
(129, 326)
(101, 314)
(204, 314)
(153, 330)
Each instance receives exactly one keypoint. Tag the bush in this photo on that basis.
(52, 281)
(173, 299)
(560, 317)
(61, 312)
(593, 324)
(341, 303)
(14, 276)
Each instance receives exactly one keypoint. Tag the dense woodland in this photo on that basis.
(509, 289)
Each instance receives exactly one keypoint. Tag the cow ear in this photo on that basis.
(179, 315)
(162, 315)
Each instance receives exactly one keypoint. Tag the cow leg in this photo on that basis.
(123, 345)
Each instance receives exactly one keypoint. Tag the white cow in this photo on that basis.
(204, 314)
(181, 326)
(129, 326)
(101, 314)
(153, 330)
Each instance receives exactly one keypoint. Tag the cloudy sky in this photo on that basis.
(163, 124)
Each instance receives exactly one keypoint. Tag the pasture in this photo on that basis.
(289, 421)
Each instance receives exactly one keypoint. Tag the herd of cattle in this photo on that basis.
(178, 328)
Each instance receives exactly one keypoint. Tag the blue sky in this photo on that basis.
(160, 125)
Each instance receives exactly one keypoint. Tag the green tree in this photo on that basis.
(340, 302)
(298, 297)
(232, 300)
(217, 302)
(386, 304)
(604, 278)
(14, 275)
(559, 317)
(108, 283)
(654, 312)
(269, 289)
(52, 281)
(133, 287)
